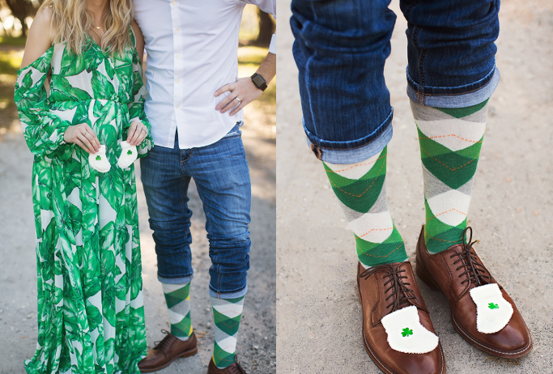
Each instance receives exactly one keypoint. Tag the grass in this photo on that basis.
(251, 55)
(10, 61)
(9, 41)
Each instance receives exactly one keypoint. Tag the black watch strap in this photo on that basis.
(259, 82)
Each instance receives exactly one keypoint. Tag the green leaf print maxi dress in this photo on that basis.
(90, 306)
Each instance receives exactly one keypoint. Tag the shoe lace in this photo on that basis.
(164, 343)
(402, 295)
(474, 269)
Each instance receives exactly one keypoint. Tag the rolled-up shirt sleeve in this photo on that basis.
(272, 46)
(268, 6)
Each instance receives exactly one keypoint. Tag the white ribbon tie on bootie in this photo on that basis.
(99, 160)
(128, 155)
(493, 312)
(406, 334)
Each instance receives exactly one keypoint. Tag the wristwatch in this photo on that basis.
(259, 82)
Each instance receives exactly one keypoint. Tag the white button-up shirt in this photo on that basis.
(192, 51)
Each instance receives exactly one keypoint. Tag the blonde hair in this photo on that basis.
(72, 22)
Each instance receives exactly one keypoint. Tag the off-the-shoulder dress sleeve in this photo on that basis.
(43, 128)
(136, 106)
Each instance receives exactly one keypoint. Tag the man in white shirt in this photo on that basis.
(195, 106)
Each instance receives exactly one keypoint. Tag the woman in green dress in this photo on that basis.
(80, 97)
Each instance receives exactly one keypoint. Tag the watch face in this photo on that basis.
(258, 81)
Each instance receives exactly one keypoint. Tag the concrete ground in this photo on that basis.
(318, 321)
(256, 342)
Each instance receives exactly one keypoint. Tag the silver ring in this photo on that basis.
(237, 99)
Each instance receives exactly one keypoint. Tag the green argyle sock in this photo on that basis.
(361, 190)
(177, 297)
(450, 142)
(226, 315)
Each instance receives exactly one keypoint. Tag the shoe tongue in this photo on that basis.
(456, 247)
(403, 294)
(167, 342)
(404, 303)
(477, 273)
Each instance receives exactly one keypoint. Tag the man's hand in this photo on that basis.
(83, 136)
(137, 133)
(242, 92)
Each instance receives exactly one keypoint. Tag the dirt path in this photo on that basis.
(511, 211)
(256, 342)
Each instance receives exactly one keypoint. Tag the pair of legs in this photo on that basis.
(221, 174)
(340, 50)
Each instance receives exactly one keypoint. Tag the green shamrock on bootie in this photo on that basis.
(493, 306)
(406, 332)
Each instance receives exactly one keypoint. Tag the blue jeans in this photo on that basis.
(222, 178)
(340, 49)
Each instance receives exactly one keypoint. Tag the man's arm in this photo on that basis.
(243, 90)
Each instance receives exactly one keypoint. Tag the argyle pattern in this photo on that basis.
(226, 315)
(177, 297)
(361, 190)
(450, 142)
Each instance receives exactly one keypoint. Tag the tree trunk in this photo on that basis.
(266, 29)
(23, 28)
(21, 9)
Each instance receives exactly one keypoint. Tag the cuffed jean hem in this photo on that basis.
(350, 156)
(228, 295)
(178, 280)
(454, 97)
(348, 152)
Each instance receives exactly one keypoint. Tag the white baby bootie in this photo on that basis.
(493, 312)
(128, 155)
(99, 161)
(406, 334)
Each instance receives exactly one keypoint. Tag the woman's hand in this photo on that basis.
(242, 92)
(137, 133)
(83, 136)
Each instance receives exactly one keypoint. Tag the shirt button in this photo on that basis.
(176, 107)
(178, 80)
(176, 30)
(178, 56)
(173, 2)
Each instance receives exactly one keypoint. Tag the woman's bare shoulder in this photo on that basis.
(39, 39)
(43, 21)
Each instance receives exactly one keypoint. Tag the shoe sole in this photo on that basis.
(189, 353)
(430, 282)
(375, 358)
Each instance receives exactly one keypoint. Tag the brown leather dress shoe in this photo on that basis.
(459, 274)
(232, 369)
(166, 351)
(386, 291)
